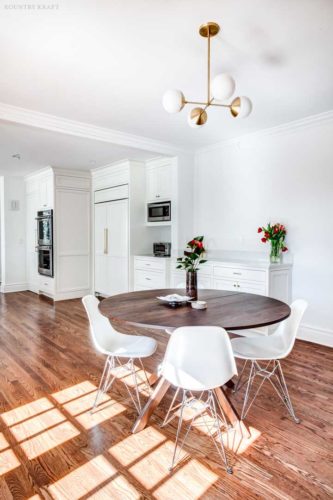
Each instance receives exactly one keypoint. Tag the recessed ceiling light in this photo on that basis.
(17, 156)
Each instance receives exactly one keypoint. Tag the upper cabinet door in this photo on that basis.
(46, 192)
(159, 182)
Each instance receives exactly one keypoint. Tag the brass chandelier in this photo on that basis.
(220, 89)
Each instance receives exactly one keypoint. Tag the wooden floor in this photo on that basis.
(51, 447)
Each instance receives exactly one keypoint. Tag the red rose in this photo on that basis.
(259, 229)
(264, 240)
(266, 235)
(276, 229)
(284, 249)
(199, 244)
(192, 243)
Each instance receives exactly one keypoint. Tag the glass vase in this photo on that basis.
(275, 255)
(192, 284)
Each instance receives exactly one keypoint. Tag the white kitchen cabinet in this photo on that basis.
(111, 247)
(159, 181)
(120, 230)
(32, 206)
(151, 272)
(67, 192)
(46, 192)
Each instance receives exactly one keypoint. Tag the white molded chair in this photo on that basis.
(199, 359)
(116, 346)
(269, 349)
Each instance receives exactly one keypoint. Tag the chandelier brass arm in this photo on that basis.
(221, 88)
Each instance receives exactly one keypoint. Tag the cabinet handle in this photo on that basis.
(147, 264)
(238, 285)
(148, 279)
(158, 196)
(239, 274)
(106, 242)
(235, 284)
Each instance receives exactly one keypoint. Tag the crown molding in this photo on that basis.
(285, 128)
(81, 129)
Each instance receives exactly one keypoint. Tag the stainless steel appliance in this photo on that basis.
(162, 249)
(45, 242)
(45, 228)
(45, 261)
(159, 212)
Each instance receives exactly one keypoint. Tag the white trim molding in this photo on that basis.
(316, 334)
(45, 121)
(14, 287)
(289, 127)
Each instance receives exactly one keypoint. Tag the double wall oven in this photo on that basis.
(45, 242)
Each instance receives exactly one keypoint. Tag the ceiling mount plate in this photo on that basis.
(209, 29)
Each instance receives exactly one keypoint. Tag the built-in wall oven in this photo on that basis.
(45, 242)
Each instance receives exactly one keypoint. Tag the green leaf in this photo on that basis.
(202, 261)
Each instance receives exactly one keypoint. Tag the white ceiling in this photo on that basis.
(40, 148)
(108, 62)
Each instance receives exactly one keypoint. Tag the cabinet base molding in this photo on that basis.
(13, 287)
(315, 334)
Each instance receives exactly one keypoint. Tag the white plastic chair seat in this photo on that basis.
(129, 346)
(260, 347)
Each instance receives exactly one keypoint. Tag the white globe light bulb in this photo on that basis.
(223, 86)
(241, 107)
(245, 108)
(173, 101)
(197, 117)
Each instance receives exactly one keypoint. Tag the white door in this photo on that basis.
(117, 247)
(100, 242)
(32, 206)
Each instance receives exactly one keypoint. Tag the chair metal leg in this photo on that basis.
(238, 386)
(107, 380)
(209, 405)
(180, 422)
(276, 378)
(220, 449)
(284, 393)
(105, 383)
(171, 408)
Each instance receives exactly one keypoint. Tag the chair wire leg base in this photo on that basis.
(107, 380)
(209, 405)
(276, 378)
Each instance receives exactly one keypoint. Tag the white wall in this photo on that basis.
(282, 177)
(13, 258)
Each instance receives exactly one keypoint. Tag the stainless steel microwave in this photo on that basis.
(159, 212)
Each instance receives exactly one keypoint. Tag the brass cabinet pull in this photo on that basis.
(106, 242)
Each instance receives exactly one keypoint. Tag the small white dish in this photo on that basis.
(199, 304)
(175, 298)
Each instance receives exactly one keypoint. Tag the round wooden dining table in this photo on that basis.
(230, 310)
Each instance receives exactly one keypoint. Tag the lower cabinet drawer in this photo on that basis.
(149, 279)
(46, 285)
(239, 273)
(240, 286)
(152, 264)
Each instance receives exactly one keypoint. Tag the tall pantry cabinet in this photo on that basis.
(120, 229)
(67, 193)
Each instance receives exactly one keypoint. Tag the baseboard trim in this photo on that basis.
(14, 287)
(317, 335)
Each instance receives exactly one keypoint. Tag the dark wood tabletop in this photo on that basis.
(230, 310)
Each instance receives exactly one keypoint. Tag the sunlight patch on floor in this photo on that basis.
(37, 424)
(103, 412)
(49, 439)
(179, 485)
(74, 391)
(135, 446)
(26, 411)
(8, 461)
(154, 467)
(96, 477)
